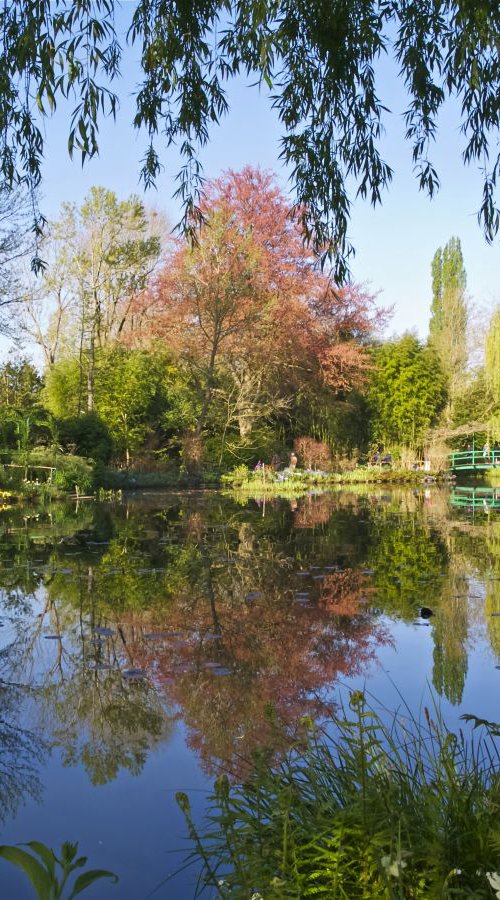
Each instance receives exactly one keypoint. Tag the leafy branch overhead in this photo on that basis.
(318, 60)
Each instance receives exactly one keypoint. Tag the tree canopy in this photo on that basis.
(318, 60)
(407, 392)
(448, 324)
(250, 311)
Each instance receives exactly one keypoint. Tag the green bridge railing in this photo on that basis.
(474, 460)
(473, 498)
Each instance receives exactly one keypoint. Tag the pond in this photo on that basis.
(148, 645)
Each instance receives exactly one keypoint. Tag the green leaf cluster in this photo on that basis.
(318, 61)
(406, 393)
(41, 865)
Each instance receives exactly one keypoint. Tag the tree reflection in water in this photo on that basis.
(21, 752)
(240, 620)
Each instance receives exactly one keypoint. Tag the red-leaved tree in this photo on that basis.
(249, 309)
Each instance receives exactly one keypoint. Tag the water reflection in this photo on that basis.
(238, 619)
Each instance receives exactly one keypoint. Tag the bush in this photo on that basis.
(238, 476)
(405, 810)
(313, 454)
(87, 436)
(74, 472)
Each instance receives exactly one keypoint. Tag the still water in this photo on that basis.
(149, 644)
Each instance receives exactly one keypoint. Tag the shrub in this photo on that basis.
(74, 472)
(86, 435)
(238, 476)
(313, 454)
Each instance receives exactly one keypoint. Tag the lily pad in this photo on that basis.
(53, 637)
(134, 674)
(105, 632)
(157, 635)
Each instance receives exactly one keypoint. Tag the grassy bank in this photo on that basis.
(294, 483)
(404, 810)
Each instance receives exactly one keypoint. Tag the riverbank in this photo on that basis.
(50, 477)
(293, 483)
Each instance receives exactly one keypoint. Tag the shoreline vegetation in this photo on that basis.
(360, 807)
(39, 476)
(284, 483)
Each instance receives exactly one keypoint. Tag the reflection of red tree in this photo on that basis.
(344, 593)
(281, 656)
(315, 510)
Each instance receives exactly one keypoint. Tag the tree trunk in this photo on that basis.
(90, 376)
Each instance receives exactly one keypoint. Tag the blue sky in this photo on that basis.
(394, 243)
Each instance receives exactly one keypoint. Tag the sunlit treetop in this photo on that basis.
(318, 58)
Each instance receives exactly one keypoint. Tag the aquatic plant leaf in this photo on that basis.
(87, 878)
(45, 854)
(39, 876)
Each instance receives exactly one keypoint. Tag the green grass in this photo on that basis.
(246, 482)
(404, 810)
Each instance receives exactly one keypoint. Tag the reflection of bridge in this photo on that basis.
(474, 460)
(475, 497)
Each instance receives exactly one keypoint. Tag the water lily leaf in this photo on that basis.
(132, 674)
(106, 632)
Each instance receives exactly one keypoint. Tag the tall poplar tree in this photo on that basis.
(448, 323)
(492, 368)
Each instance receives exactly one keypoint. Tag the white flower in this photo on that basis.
(494, 880)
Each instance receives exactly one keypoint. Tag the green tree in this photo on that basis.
(492, 369)
(137, 393)
(318, 59)
(475, 402)
(101, 257)
(129, 395)
(407, 391)
(20, 384)
(448, 323)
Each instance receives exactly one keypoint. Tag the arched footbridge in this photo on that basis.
(474, 460)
